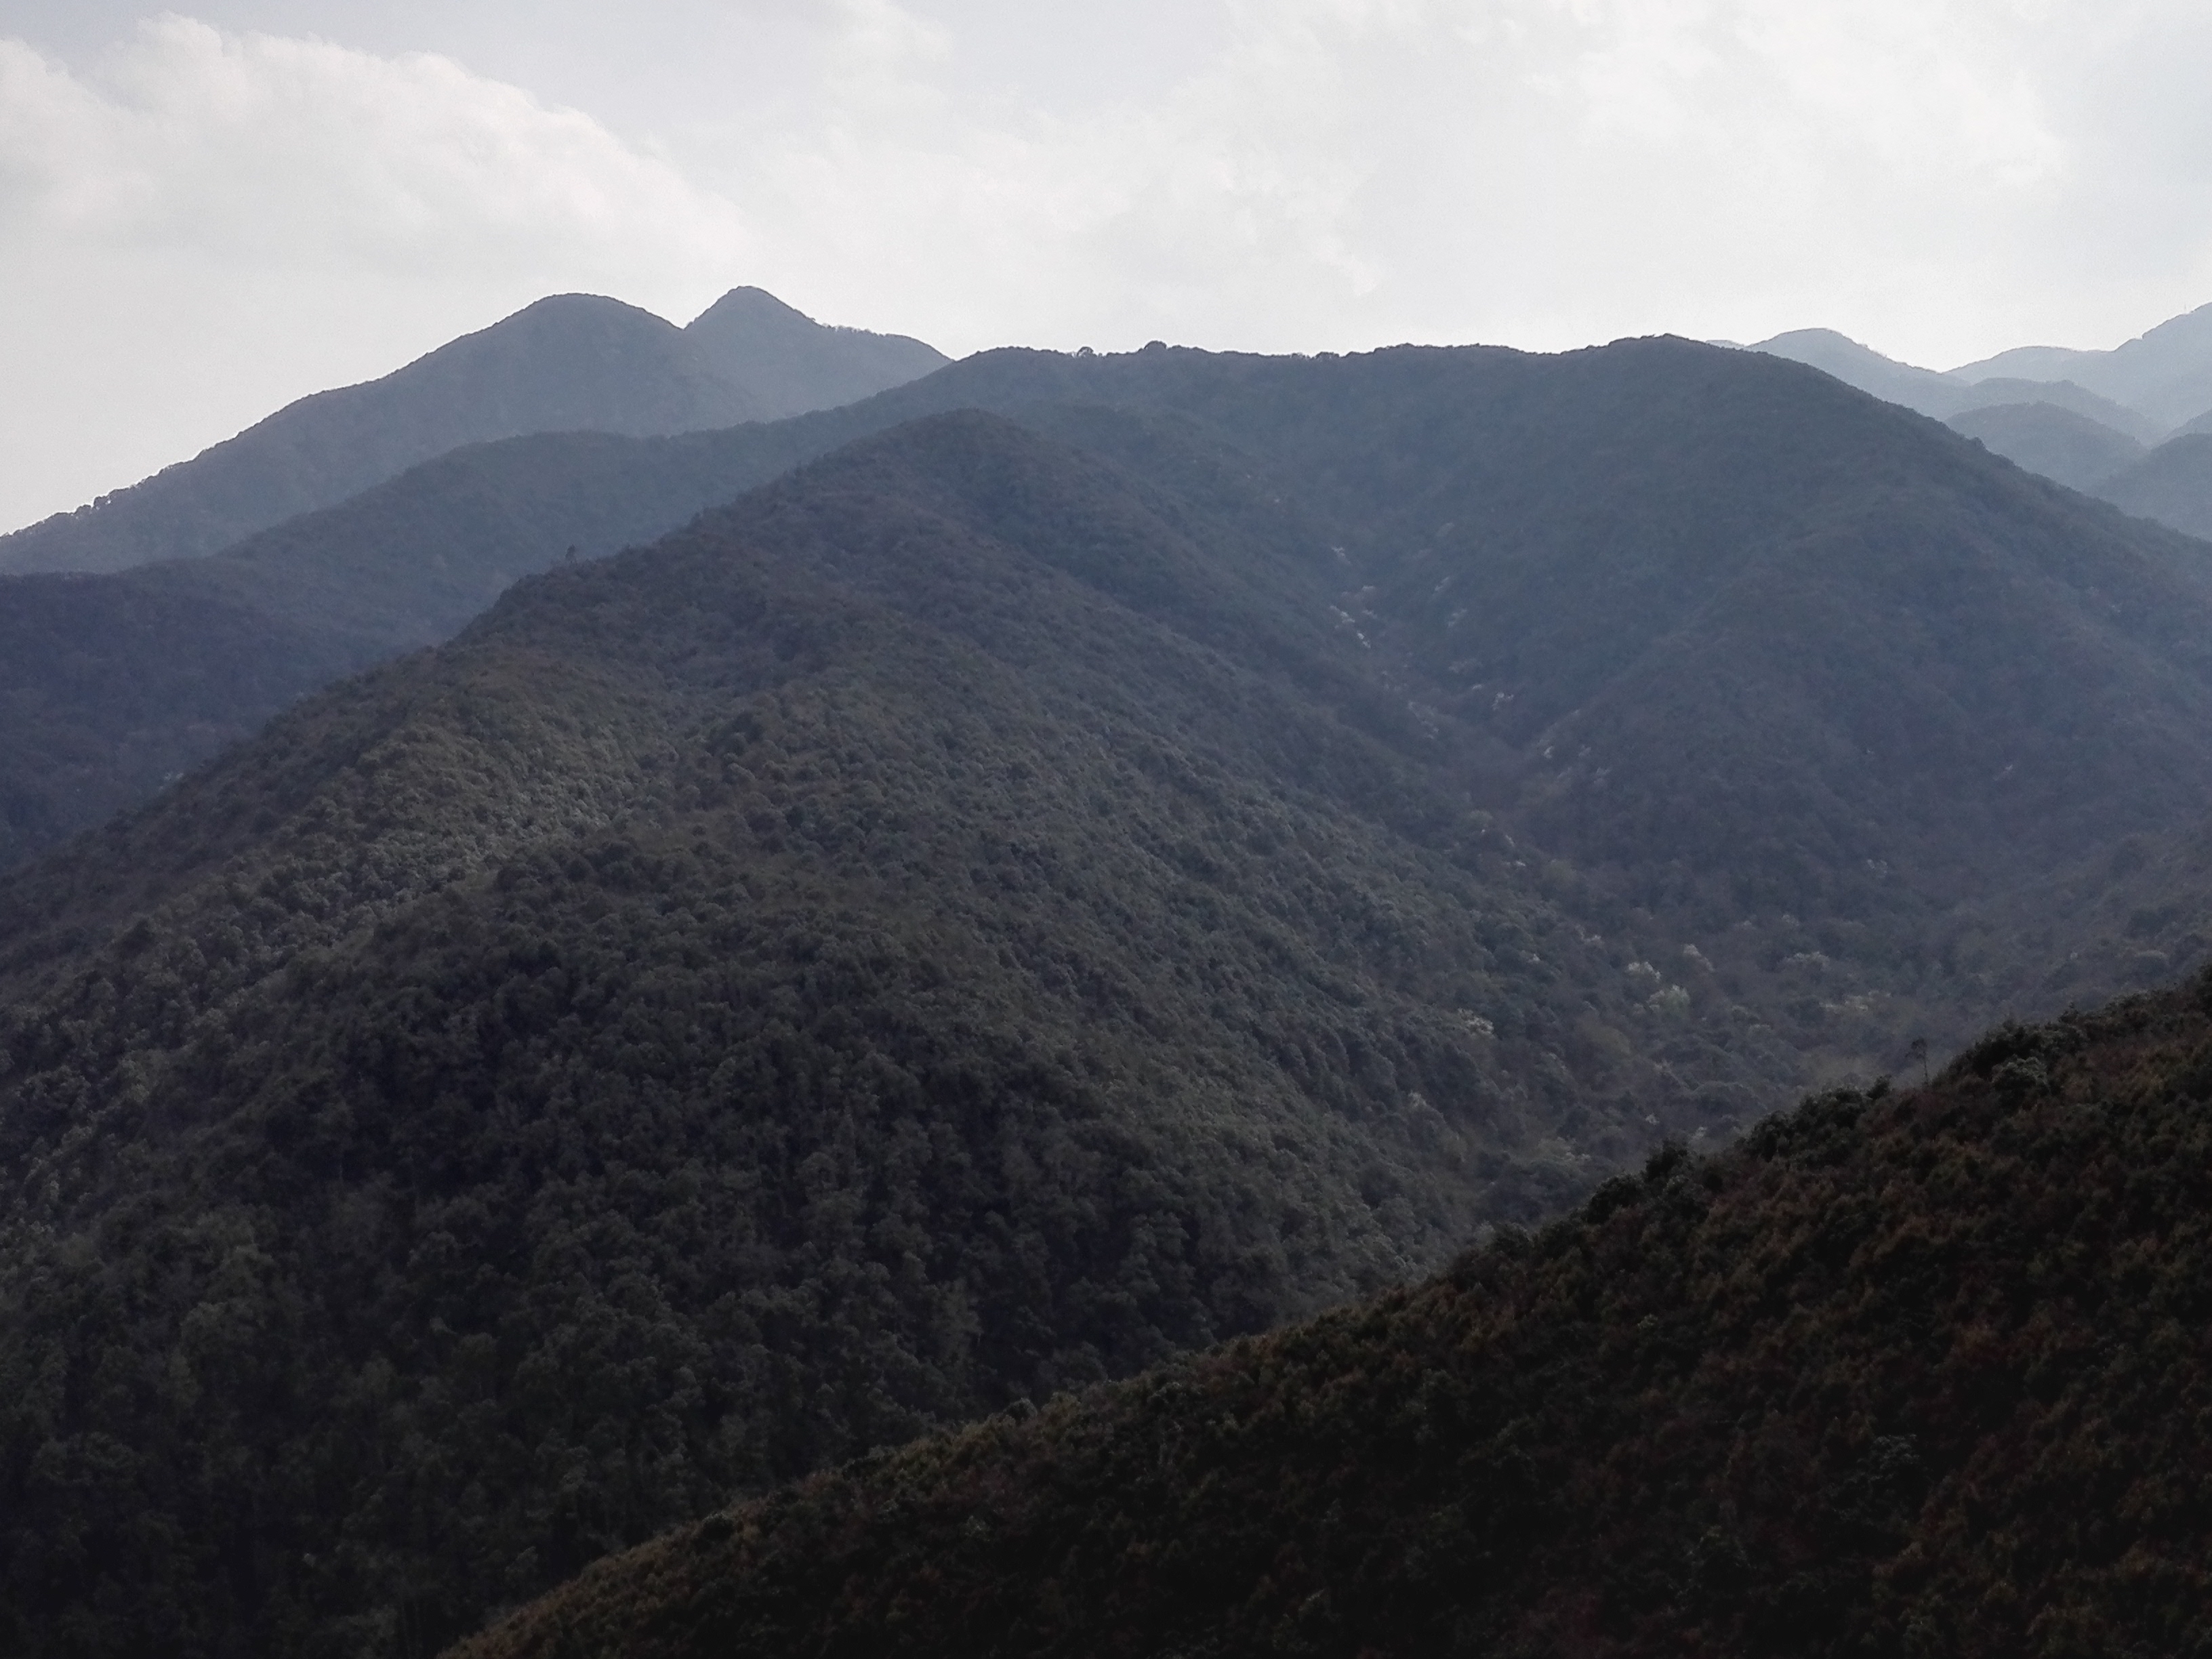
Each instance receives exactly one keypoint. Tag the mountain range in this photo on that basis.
(573, 362)
(609, 971)
(1013, 897)
(2119, 424)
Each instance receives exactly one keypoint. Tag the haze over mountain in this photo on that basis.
(2083, 418)
(116, 683)
(2172, 484)
(2164, 373)
(573, 362)
(2149, 388)
(1900, 1373)
(2077, 451)
(1003, 904)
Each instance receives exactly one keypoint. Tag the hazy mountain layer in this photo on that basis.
(1901, 1373)
(2072, 449)
(1856, 365)
(962, 924)
(2172, 484)
(575, 363)
(2166, 373)
(2065, 395)
(121, 682)
(2147, 389)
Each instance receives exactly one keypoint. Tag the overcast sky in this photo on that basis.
(204, 214)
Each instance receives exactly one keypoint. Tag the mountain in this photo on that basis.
(962, 923)
(2172, 484)
(1909, 1372)
(2001, 390)
(2147, 389)
(2166, 373)
(787, 364)
(109, 690)
(1862, 367)
(116, 683)
(1948, 395)
(2074, 450)
(573, 362)
(1013, 899)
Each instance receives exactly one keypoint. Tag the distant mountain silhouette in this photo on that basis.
(2076, 451)
(2172, 484)
(1862, 367)
(574, 362)
(2164, 373)
(2000, 391)
(2149, 387)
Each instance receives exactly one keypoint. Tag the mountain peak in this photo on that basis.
(565, 364)
(751, 305)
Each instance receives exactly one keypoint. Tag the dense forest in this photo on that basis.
(956, 926)
(122, 682)
(1010, 901)
(1906, 1371)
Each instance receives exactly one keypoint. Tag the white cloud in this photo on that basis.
(209, 225)
(258, 149)
(189, 215)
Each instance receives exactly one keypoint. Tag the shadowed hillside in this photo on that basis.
(109, 690)
(999, 906)
(232, 638)
(573, 362)
(2071, 449)
(2172, 484)
(1902, 1373)
(958, 925)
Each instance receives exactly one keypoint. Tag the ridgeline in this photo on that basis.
(1902, 1372)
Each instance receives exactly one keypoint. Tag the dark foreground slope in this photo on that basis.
(572, 363)
(1900, 1374)
(957, 925)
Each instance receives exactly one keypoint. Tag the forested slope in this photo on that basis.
(1002, 905)
(958, 925)
(1903, 1372)
(122, 682)
(109, 690)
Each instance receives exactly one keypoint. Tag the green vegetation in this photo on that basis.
(1001, 906)
(118, 684)
(109, 690)
(1900, 1374)
(956, 926)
